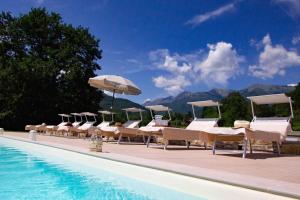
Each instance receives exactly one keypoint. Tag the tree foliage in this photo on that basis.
(234, 107)
(44, 68)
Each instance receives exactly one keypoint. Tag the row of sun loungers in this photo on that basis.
(206, 131)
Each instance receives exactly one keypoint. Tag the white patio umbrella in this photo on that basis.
(114, 84)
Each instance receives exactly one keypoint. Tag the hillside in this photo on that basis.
(179, 102)
(119, 103)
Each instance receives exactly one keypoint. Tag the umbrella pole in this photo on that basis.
(112, 102)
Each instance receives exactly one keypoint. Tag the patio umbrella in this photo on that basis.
(114, 84)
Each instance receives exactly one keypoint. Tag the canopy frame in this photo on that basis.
(78, 115)
(64, 116)
(86, 114)
(159, 108)
(133, 109)
(207, 103)
(268, 100)
(105, 112)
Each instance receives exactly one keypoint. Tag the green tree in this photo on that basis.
(44, 68)
(296, 105)
(234, 107)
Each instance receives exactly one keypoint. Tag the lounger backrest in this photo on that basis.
(76, 124)
(103, 124)
(62, 124)
(131, 124)
(274, 126)
(198, 124)
(86, 125)
(161, 122)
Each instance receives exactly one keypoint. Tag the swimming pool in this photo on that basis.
(32, 171)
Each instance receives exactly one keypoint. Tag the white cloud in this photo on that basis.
(38, 2)
(173, 84)
(198, 19)
(296, 40)
(221, 64)
(146, 100)
(274, 60)
(290, 7)
(215, 67)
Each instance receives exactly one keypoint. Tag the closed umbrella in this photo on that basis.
(114, 84)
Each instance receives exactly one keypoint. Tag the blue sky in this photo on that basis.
(170, 46)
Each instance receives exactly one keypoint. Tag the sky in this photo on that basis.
(170, 46)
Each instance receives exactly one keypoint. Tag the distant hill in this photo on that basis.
(119, 103)
(179, 103)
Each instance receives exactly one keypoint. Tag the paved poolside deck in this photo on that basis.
(262, 170)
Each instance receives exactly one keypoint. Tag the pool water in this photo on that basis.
(26, 176)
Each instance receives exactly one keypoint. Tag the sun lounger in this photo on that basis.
(52, 128)
(193, 131)
(114, 131)
(273, 129)
(66, 128)
(82, 131)
(129, 131)
(95, 131)
(157, 125)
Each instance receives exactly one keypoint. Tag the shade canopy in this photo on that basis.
(64, 115)
(105, 112)
(76, 114)
(133, 109)
(158, 108)
(116, 84)
(204, 103)
(270, 99)
(89, 114)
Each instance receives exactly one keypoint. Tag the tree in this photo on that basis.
(234, 107)
(296, 105)
(44, 68)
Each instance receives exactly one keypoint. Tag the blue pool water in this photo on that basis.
(25, 176)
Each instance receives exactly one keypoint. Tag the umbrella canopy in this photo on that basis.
(115, 84)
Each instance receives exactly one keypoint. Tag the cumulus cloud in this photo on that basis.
(274, 60)
(221, 64)
(214, 67)
(173, 84)
(296, 40)
(290, 7)
(199, 19)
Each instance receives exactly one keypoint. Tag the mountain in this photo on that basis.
(179, 103)
(119, 103)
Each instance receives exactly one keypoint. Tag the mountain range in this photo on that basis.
(178, 103)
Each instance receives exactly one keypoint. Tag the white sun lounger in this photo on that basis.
(273, 129)
(114, 131)
(193, 131)
(155, 127)
(96, 130)
(75, 124)
(84, 128)
(130, 130)
(52, 128)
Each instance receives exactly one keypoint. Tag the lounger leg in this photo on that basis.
(278, 148)
(245, 148)
(166, 144)
(120, 138)
(148, 141)
(250, 144)
(214, 147)
(144, 140)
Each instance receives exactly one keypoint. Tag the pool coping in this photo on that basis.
(251, 187)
